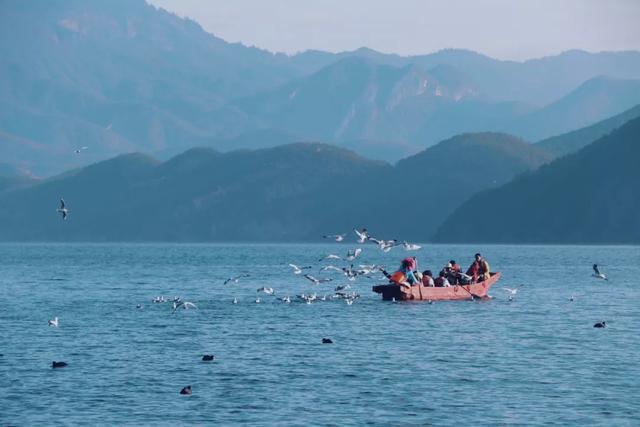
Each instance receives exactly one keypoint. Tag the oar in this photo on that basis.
(473, 296)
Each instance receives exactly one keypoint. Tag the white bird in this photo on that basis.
(235, 300)
(268, 291)
(235, 279)
(54, 322)
(330, 256)
(331, 267)
(81, 149)
(314, 280)
(362, 235)
(258, 301)
(285, 299)
(184, 304)
(351, 255)
(597, 274)
(63, 209)
(298, 270)
(512, 292)
(411, 246)
(336, 237)
(349, 301)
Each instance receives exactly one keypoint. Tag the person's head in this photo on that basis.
(427, 273)
(442, 274)
(452, 262)
(478, 257)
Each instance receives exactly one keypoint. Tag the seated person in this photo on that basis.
(442, 281)
(479, 270)
(451, 276)
(404, 276)
(427, 278)
(455, 267)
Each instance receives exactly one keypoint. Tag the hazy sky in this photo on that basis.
(507, 29)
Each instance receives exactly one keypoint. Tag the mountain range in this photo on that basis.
(124, 76)
(590, 196)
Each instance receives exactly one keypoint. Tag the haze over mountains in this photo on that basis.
(122, 76)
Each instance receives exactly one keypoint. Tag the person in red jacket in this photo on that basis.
(479, 270)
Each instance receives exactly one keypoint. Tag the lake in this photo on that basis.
(534, 360)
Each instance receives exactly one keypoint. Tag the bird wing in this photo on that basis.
(311, 278)
(62, 205)
(189, 304)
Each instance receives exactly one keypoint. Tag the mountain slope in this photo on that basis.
(587, 197)
(291, 192)
(570, 142)
(593, 101)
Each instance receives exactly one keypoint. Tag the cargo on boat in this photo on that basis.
(430, 293)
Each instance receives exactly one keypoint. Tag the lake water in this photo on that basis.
(534, 360)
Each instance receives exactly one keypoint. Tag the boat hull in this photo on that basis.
(429, 293)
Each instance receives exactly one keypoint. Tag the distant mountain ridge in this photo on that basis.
(590, 196)
(123, 76)
(288, 193)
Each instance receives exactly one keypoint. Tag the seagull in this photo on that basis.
(384, 245)
(258, 301)
(235, 300)
(411, 246)
(336, 237)
(54, 322)
(573, 298)
(314, 280)
(186, 390)
(363, 235)
(331, 267)
(80, 150)
(342, 288)
(235, 279)
(63, 209)
(602, 324)
(512, 292)
(158, 299)
(597, 273)
(184, 304)
(349, 301)
(330, 256)
(268, 291)
(351, 255)
(285, 299)
(298, 270)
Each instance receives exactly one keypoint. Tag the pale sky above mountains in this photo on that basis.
(505, 29)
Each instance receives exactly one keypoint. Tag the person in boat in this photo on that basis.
(455, 267)
(427, 278)
(479, 270)
(405, 274)
(442, 281)
(450, 274)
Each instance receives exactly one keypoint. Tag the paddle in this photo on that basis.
(473, 296)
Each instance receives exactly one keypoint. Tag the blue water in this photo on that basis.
(535, 360)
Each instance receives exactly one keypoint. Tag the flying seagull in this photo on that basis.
(298, 270)
(363, 235)
(316, 281)
(54, 322)
(336, 237)
(62, 210)
(184, 304)
(80, 150)
(330, 256)
(351, 255)
(235, 279)
(597, 274)
(268, 291)
(411, 246)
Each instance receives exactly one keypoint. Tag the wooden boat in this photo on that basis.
(429, 293)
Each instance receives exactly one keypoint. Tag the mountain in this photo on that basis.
(593, 101)
(12, 177)
(570, 142)
(422, 190)
(118, 76)
(589, 196)
(291, 192)
(122, 76)
(356, 99)
(280, 193)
